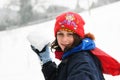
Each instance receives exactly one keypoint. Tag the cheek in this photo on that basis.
(59, 43)
(71, 41)
(58, 40)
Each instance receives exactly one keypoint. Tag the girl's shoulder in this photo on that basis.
(86, 56)
(81, 54)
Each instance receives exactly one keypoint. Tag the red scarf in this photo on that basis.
(109, 64)
(58, 55)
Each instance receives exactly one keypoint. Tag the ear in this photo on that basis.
(90, 35)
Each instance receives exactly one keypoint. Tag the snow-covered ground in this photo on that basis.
(19, 62)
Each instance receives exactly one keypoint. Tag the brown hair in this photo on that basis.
(77, 41)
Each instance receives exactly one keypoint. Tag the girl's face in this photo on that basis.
(65, 39)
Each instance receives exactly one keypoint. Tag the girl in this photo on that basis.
(74, 48)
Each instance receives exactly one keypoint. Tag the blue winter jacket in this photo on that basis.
(77, 64)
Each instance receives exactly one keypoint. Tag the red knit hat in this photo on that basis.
(71, 21)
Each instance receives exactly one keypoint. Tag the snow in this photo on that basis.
(19, 62)
(2, 3)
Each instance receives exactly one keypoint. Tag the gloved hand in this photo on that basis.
(44, 54)
(40, 45)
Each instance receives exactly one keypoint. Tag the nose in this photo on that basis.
(64, 39)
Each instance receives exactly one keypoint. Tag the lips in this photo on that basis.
(65, 45)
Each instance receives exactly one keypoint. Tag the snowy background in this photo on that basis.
(19, 62)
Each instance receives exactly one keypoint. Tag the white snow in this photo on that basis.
(19, 62)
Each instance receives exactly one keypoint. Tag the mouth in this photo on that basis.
(65, 45)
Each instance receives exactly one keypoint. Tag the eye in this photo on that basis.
(70, 34)
(59, 34)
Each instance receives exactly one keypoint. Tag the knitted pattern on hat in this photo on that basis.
(71, 21)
